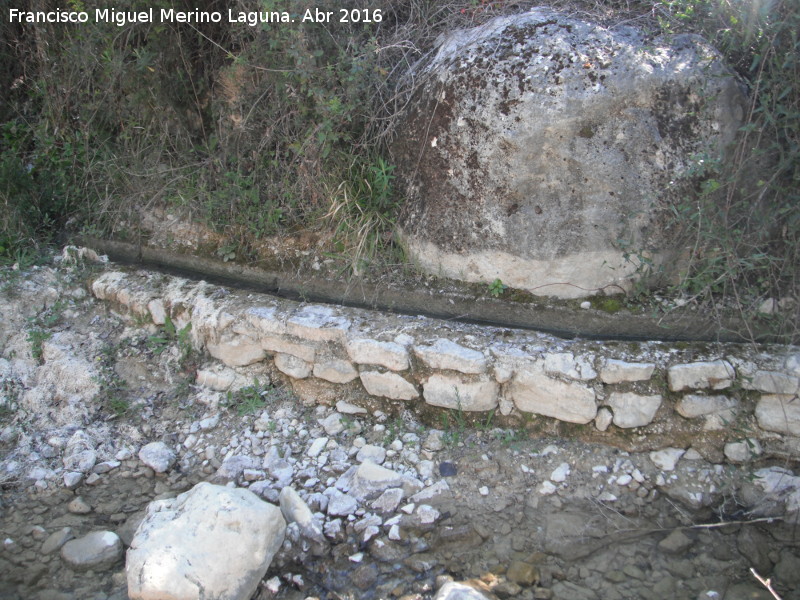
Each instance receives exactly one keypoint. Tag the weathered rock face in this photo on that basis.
(210, 542)
(539, 147)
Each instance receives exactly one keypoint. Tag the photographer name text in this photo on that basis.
(164, 15)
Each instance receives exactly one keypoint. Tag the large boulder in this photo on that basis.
(212, 542)
(545, 151)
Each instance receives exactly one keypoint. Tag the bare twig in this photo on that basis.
(766, 583)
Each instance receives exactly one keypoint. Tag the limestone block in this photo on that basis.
(106, 286)
(365, 351)
(696, 405)
(223, 379)
(278, 343)
(603, 419)
(388, 385)
(445, 354)
(533, 391)
(157, 311)
(772, 382)
(318, 323)
(779, 412)
(209, 542)
(716, 375)
(292, 366)
(266, 319)
(238, 351)
(567, 365)
(617, 371)
(454, 392)
(633, 410)
(335, 371)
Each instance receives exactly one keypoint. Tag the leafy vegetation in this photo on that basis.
(257, 131)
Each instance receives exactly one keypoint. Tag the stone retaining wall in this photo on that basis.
(738, 399)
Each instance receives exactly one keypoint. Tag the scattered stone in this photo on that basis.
(78, 506)
(559, 475)
(79, 454)
(233, 467)
(340, 504)
(346, 408)
(676, 542)
(161, 564)
(72, 479)
(522, 573)
(667, 458)
(295, 510)
(333, 424)
(158, 456)
(434, 440)
(371, 453)
(368, 481)
(97, 551)
(388, 501)
(56, 540)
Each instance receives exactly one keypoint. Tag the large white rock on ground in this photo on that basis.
(212, 542)
(536, 142)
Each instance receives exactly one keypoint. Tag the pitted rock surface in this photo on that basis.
(537, 145)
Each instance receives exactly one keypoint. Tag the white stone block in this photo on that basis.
(388, 385)
(292, 366)
(633, 410)
(335, 371)
(445, 354)
(617, 371)
(365, 351)
(716, 375)
(453, 392)
(534, 392)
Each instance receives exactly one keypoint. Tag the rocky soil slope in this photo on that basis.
(400, 504)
